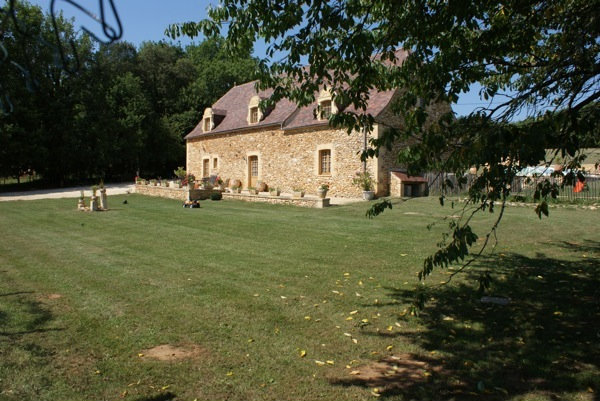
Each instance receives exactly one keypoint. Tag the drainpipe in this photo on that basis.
(364, 148)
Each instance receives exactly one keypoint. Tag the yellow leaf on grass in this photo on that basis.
(355, 341)
(348, 334)
(302, 354)
(390, 328)
(389, 347)
(165, 387)
(230, 373)
(357, 294)
(306, 317)
(330, 362)
(282, 297)
(365, 320)
(354, 312)
(250, 340)
(140, 355)
(346, 274)
(320, 363)
(403, 254)
(349, 318)
(355, 372)
(360, 283)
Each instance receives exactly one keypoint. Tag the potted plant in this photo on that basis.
(252, 191)
(103, 198)
(81, 203)
(153, 182)
(262, 187)
(189, 180)
(176, 183)
(94, 199)
(298, 193)
(365, 182)
(322, 191)
(275, 191)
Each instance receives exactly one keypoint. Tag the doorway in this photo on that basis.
(252, 171)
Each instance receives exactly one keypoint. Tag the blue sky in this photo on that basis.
(146, 20)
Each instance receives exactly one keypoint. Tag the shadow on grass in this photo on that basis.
(161, 397)
(25, 316)
(545, 341)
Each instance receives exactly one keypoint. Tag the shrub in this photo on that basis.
(216, 196)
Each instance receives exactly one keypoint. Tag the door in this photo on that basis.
(205, 168)
(253, 171)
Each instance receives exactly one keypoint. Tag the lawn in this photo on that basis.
(272, 302)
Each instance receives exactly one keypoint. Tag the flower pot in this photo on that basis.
(322, 193)
(298, 194)
(368, 195)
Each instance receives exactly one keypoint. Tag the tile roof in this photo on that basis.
(233, 110)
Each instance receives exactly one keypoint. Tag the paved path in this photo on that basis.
(74, 192)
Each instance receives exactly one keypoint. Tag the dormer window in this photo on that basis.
(208, 122)
(327, 106)
(325, 109)
(254, 113)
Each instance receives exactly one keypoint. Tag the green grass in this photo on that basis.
(253, 285)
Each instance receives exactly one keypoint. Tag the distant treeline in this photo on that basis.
(122, 111)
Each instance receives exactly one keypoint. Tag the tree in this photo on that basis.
(536, 57)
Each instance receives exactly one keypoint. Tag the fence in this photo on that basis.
(521, 186)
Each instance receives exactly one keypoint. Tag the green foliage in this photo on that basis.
(216, 196)
(124, 112)
(535, 57)
(363, 180)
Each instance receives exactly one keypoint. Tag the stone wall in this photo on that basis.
(163, 192)
(280, 200)
(181, 194)
(287, 159)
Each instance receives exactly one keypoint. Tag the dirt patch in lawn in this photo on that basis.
(53, 296)
(401, 373)
(168, 352)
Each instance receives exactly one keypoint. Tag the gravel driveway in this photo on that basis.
(74, 192)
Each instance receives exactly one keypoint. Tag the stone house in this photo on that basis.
(290, 147)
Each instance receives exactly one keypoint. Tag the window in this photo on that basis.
(215, 163)
(206, 127)
(253, 115)
(205, 168)
(325, 109)
(327, 106)
(325, 161)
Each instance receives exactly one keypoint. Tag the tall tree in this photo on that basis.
(540, 57)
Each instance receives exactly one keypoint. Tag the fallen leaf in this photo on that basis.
(355, 341)
(390, 328)
(348, 334)
(360, 283)
(282, 297)
(306, 317)
(354, 312)
(320, 363)
(403, 254)
(389, 347)
(355, 372)
(140, 355)
(330, 362)
(302, 354)
(230, 373)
